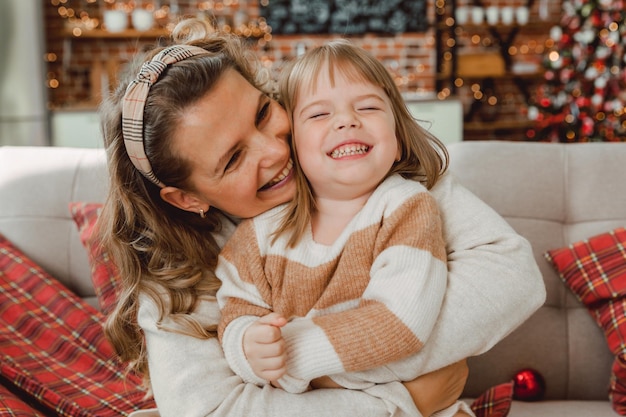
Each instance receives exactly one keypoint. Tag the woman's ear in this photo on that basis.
(183, 200)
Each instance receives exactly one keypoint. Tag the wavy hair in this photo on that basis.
(161, 251)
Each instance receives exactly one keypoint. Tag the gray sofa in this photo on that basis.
(553, 194)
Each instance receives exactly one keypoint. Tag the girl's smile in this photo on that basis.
(347, 150)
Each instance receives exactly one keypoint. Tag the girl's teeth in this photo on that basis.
(283, 174)
(349, 151)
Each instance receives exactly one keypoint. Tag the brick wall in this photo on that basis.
(81, 69)
(72, 60)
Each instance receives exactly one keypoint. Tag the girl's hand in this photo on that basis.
(264, 347)
(439, 389)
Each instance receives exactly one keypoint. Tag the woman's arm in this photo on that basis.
(190, 377)
(494, 283)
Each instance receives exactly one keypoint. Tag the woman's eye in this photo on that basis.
(262, 115)
(232, 161)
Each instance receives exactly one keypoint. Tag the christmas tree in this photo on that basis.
(584, 96)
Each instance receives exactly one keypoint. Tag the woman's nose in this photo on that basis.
(271, 150)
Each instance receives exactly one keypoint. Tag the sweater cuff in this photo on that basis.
(293, 385)
(232, 344)
(309, 352)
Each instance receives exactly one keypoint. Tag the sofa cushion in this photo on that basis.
(495, 402)
(52, 345)
(595, 270)
(104, 273)
(12, 405)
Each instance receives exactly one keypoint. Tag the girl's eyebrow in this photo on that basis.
(223, 160)
(361, 97)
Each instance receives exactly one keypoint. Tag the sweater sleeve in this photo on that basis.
(190, 377)
(243, 297)
(494, 283)
(398, 309)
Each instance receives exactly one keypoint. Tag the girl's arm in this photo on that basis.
(190, 377)
(398, 308)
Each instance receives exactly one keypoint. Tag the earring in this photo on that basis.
(202, 215)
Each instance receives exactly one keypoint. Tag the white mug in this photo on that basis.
(507, 14)
(115, 20)
(521, 15)
(142, 19)
(478, 15)
(492, 13)
(461, 14)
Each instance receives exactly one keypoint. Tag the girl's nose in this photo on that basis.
(346, 120)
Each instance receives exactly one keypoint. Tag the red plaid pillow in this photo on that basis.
(12, 405)
(495, 402)
(52, 346)
(595, 270)
(104, 274)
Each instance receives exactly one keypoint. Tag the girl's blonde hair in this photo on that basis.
(161, 251)
(423, 158)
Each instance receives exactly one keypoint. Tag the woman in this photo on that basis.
(193, 143)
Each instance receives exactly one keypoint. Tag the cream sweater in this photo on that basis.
(369, 299)
(494, 285)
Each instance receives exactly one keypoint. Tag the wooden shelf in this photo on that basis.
(507, 76)
(105, 34)
(494, 69)
(497, 125)
(530, 26)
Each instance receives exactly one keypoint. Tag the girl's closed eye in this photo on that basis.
(317, 115)
(369, 105)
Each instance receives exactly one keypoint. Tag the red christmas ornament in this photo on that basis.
(529, 385)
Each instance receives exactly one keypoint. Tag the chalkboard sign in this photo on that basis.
(348, 17)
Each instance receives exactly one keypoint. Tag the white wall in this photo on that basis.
(76, 128)
(23, 113)
(443, 118)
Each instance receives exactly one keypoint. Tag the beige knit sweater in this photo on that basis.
(494, 285)
(369, 299)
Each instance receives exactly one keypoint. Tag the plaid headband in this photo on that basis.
(135, 101)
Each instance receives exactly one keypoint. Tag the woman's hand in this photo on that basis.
(264, 347)
(438, 389)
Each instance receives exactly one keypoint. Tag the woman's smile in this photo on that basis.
(282, 177)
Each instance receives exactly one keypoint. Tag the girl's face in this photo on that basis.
(344, 135)
(236, 140)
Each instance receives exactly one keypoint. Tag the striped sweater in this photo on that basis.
(365, 303)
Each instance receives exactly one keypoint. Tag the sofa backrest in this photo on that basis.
(36, 186)
(554, 195)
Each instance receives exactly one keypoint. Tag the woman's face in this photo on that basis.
(236, 140)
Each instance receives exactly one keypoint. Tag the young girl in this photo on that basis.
(356, 294)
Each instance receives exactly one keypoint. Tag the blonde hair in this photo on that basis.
(423, 157)
(161, 251)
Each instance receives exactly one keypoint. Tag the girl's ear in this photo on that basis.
(183, 200)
